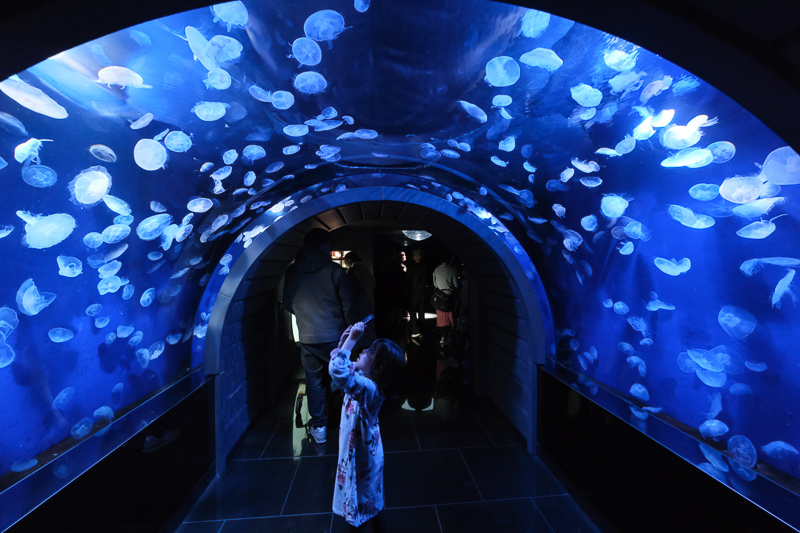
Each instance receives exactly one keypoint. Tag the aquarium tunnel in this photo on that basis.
(621, 197)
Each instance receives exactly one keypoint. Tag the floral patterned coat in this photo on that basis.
(358, 490)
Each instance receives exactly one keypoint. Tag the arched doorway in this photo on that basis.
(511, 329)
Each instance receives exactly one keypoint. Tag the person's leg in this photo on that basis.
(317, 379)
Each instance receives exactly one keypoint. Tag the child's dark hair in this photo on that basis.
(389, 369)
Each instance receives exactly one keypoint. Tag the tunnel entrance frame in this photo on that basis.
(533, 298)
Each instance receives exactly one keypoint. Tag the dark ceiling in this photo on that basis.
(748, 50)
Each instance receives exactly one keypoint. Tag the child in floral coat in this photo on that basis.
(358, 491)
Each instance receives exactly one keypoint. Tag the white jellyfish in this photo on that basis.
(178, 141)
(543, 58)
(224, 49)
(324, 25)
(502, 71)
(152, 227)
(613, 206)
(306, 51)
(69, 267)
(44, 231)
(534, 23)
(32, 98)
(233, 14)
(252, 152)
(586, 95)
(310, 82)
(282, 100)
(30, 301)
(209, 111)
(90, 186)
(149, 154)
(122, 76)
(103, 153)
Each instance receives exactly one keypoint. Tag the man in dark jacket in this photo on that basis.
(317, 292)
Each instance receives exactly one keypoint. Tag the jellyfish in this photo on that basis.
(152, 227)
(782, 288)
(559, 210)
(149, 154)
(689, 157)
(781, 167)
(115, 233)
(64, 399)
(142, 121)
(44, 231)
(713, 428)
(310, 82)
(223, 49)
(282, 100)
(69, 267)
(123, 332)
(534, 23)
(619, 60)
(233, 14)
(655, 304)
(324, 25)
(637, 363)
(59, 335)
(109, 269)
(704, 192)
(543, 58)
(639, 391)
(12, 124)
(757, 208)
(30, 301)
(103, 153)
(502, 71)
(306, 51)
(361, 5)
(688, 218)
(680, 137)
(586, 95)
(81, 429)
(591, 181)
(626, 249)
(29, 150)
(624, 347)
(32, 98)
(779, 449)
(39, 176)
(742, 450)
(94, 309)
(621, 308)
(474, 111)
(589, 223)
(759, 230)
(209, 111)
(147, 297)
(741, 190)
(673, 267)
(296, 130)
(177, 141)
(613, 206)
(706, 359)
(90, 186)
(252, 152)
(7, 354)
(122, 76)
(736, 321)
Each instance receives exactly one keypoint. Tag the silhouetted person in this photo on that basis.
(316, 290)
(417, 292)
(362, 284)
(445, 278)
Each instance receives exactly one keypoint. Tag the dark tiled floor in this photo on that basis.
(458, 467)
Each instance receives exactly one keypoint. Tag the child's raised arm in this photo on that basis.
(356, 331)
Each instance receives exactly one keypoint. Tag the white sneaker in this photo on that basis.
(319, 434)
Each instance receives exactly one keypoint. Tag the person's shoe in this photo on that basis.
(416, 334)
(319, 434)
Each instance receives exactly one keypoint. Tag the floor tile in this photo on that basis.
(405, 520)
(427, 478)
(398, 434)
(318, 523)
(564, 515)
(500, 430)
(312, 488)
(200, 527)
(290, 441)
(254, 441)
(462, 429)
(510, 472)
(248, 489)
(506, 516)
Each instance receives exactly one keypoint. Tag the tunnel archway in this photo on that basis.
(512, 324)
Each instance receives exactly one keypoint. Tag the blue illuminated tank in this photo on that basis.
(137, 168)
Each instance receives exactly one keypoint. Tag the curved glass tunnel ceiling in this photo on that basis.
(659, 214)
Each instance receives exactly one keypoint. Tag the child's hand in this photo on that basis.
(356, 331)
(344, 336)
